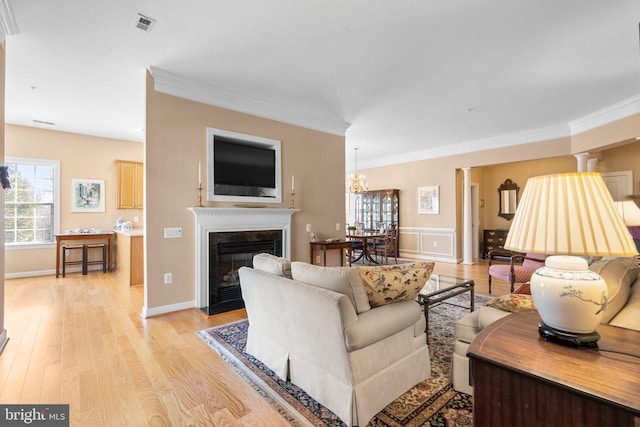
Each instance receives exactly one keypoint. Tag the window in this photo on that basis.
(32, 211)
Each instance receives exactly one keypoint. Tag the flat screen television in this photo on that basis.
(242, 168)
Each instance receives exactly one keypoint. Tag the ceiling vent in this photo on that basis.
(42, 122)
(145, 23)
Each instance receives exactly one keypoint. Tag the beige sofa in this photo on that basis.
(319, 332)
(623, 310)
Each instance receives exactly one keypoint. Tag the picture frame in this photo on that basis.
(87, 195)
(429, 200)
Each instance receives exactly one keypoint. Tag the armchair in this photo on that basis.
(519, 269)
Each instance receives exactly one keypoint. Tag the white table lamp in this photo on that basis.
(567, 215)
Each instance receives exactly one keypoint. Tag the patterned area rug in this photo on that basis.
(430, 403)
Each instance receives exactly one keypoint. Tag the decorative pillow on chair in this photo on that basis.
(272, 264)
(387, 284)
(524, 289)
(512, 302)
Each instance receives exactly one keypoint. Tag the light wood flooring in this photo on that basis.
(81, 341)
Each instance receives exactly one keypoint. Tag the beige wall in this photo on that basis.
(595, 139)
(80, 156)
(489, 169)
(176, 142)
(518, 172)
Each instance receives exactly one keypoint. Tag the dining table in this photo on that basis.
(367, 238)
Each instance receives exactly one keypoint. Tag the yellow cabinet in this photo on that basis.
(130, 176)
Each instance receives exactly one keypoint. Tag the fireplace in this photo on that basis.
(237, 229)
(228, 251)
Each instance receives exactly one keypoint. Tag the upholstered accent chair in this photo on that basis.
(518, 270)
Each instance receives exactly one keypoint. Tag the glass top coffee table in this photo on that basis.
(439, 289)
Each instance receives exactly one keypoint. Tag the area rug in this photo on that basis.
(430, 403)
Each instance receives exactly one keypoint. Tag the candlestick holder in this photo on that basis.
(293, 204)
(199, 188)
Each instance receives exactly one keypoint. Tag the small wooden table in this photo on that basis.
(522, 380)
(364, 237)
(326, 245)
(108, 236)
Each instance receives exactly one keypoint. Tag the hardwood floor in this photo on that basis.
(81, 341)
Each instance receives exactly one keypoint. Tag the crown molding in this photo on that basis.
(610, 114)
(175, 85)
(607, 115)
(8, 24)
(507, 140)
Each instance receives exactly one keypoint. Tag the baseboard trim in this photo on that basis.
(22, 274)
(156, 311)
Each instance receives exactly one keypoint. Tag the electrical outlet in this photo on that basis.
(168, 278)
(337, 226)
(435, 244)
(172, 232)
(308, 228)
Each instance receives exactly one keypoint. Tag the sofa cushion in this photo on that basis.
(386, 284)
(629, 316)
(344, 280)
(512, 302)
(467, 327)
(618, 274)
(272, 264)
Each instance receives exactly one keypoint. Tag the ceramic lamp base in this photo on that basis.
(570, 339)
(569, 297)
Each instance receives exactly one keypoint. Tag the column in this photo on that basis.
(582, 161)
(467, 257)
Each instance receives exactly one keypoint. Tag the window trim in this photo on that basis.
(56, 201)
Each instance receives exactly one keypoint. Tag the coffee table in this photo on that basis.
(439, 289)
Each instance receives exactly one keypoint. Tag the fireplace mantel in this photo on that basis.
(213, 220)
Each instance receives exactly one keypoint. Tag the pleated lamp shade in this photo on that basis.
(569, 214)
(629, 211)
(564, 216)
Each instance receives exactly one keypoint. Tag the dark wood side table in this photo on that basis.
(327, 245)
(523, 380)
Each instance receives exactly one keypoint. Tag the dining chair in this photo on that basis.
(388, 245)
(519, 269)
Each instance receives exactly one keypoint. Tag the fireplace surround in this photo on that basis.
(234, 228)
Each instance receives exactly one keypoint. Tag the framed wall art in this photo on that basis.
(87, 195)
(429, 200)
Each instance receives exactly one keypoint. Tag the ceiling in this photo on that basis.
(406, 79)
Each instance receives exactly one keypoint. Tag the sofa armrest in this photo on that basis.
(381, 322)
(629, 316)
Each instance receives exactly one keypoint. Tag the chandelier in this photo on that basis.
(357, 183)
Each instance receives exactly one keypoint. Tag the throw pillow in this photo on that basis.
(512, 302)
(387, 284)
(524, 289)
(344, 280)
(272, 264)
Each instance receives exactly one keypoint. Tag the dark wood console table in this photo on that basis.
(324, 246)
(523, 380)
(107, 236)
